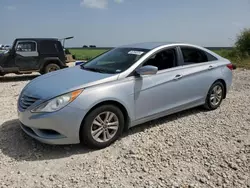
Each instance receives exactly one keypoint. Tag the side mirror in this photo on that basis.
(147, 70)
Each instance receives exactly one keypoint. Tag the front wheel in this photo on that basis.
(102, 126)
(215, 96)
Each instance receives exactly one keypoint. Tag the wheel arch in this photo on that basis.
(110, 102)
(48, 61)
(224, 84)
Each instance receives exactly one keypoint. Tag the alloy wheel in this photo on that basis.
(216, 95)
(104, 127)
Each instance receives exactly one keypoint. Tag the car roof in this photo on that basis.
(148, 45)
(37, 39)
(152, 45)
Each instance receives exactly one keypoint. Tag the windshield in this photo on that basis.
(115, 61)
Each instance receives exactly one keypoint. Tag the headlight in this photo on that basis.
(57, 103)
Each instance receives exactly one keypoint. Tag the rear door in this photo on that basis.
(198, 71)
(27, 56)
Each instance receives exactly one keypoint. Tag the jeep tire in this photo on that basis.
(51, 67)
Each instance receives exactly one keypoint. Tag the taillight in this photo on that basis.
(230, 66)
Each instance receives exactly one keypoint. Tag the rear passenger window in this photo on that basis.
(48, 47)
(211, 57)
(193, 55)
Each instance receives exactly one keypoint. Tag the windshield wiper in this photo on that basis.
(93, 69)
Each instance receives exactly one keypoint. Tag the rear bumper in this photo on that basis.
(227, 77)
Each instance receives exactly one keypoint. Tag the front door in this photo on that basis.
(143, 95)
(27, 56)
(159, 93)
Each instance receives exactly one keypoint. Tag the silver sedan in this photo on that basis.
(93, 103)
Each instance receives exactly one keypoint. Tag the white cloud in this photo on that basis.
(238, 24)
(100, 4)
(10, 7)
(118, 1)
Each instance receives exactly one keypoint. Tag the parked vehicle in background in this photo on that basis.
(95, 102)
(29, 55)
(6, 47)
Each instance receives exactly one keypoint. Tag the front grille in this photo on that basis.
(26, 101)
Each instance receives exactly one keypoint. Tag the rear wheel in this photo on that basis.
(102, 126)
(215, 96)
(51, 67)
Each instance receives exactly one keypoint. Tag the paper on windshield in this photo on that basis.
(135, 52)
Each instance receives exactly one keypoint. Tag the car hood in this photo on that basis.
(62, 81)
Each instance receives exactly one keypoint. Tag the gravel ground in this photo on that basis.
(194, 148)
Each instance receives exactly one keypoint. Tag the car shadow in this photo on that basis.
(148, 125)
(17, 78)
(16, 144)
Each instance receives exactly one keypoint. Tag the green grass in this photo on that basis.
(86, 54)
(245, 63)
(234, 58)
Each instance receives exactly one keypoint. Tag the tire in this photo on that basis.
(217, 99)
(50, 68)
(89, 134)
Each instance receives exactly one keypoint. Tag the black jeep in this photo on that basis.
(29, 55)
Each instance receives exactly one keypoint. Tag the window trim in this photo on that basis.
(26, 41)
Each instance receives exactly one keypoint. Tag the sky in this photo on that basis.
(110, 23)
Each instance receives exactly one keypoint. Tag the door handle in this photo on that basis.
(177, 77)
(210, 67)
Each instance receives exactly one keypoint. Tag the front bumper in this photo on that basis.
(57, 128)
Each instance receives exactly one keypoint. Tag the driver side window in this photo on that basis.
(163, 60)
(26, 46)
